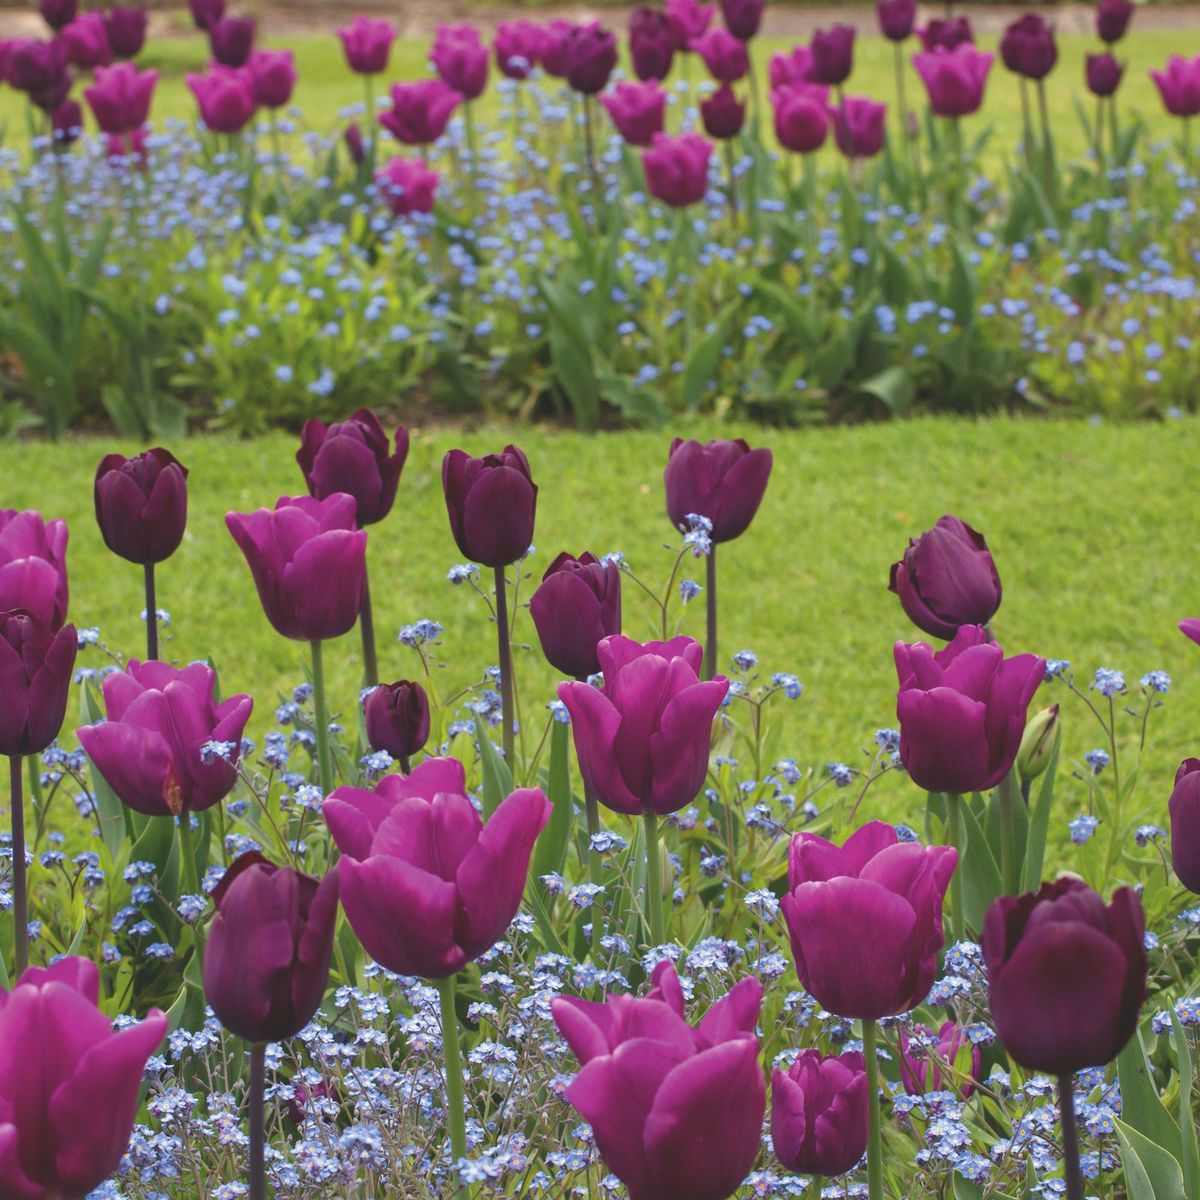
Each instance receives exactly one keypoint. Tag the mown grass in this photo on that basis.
(1089, 526)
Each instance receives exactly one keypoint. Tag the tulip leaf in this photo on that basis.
(702, 362)
(1187, 1076)
(77, 940)
(543, 920)
(981, 875)
(1151, 1173)
(497, 778)
(1039, 822)
(550, 851)
(5, 981)
(110, 812)
(1141, 1107)
(893, 387)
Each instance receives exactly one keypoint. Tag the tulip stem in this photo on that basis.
(1072, 1175)
(456, 1117)
(506, 668)
(1008, 834)
(954, 837)
(189, 875)
(258, 1087)
(875, 1132)
(710, 632)
(321, 720)
(151, 615)
(20, 897)
(591, 808)
(654, 900)
(366, 624)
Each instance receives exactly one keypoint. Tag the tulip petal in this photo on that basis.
(353, 815)
(586, 1025)
(324, 584)
(135, 763)
(594, 724)
(17, 1185)
(943, 741)
(680, 746)
(734, 1015)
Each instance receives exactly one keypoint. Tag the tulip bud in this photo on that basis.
(721, 480)
(58, 14)
(126, 28)
(353, 456)
(723, 113)
(35, 682)
(577, 605)
(232, 39)
(819, 1116)
(1184, 807)
(491, 502)
(141, 504)
(354, 143)
(397, 718)
(367, 45)
(591, 55)
(1038, 743)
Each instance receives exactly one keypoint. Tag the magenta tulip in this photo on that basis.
(517, 46)
(801, 120)
(723, 54)
(1184, 809)
(58, 14)
(461, 59)
(743, 17)
(86, 42)
(652, 43)
(954, 80)
(945, 33)
(225, 97)
(677, 168)
(126, 28)
(141, 502)
(638, 110)
(859, 126)
(367, 44)
(896, 18)
(231, 40)
(591, 55)
(33, 566)
(1112, 20)
(819, 1119)
(273, 75)
(689, 19)
(1102, 74)
(420, 111)
(796, 66)
(1028, 47)
(1179, 86)
(556, 36)
(120, 97)
(35, 682)
(932, 1062)
(396, 716)
(723, 114)
(67, 122)
(206, 13)
(832, 55)
(407, 186)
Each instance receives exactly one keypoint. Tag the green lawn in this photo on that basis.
(1089, 525)
(327, 86)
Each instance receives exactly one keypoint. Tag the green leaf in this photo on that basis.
(5, 981)
(893, 388)
(1151, 1173)
(1141, 1107)
(77, 940)
(981, 874)
(541, 916)
(963, 286)
(573, 373)
(110, 812)
(1039, 823)
(550, 850)
(1187, 1076)
(705, 356)
(497, 778)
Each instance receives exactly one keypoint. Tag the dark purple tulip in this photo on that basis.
(353, 456)
(126, 28)
(676, 1111)
(354, 143)
(1184, 807)
(724, 55)
(205, 13)
(69, 1083)
(397, 718)
(232, 39)
(37, 68)
(954, 81)
(1112, 20)
(420, 111)
(35, 682)
(308, 560)
(896, 18)
(591, 54)
(643, 739)
(491, 502)
(832, 54)
(425, 885)
(638, 110)
(878, 895)
(801, 117)
(859, 126)
(1179, 86)
(266, 959)
(518, 48)
(149, 747)
(962, 710)
(947, 577)
(793, 67)
(367, 44)
(743, 17)
(576, 606)
(945, 33)
(86, 42)
(67, 122)
(723, 113)
(1103, 74)
(652, 43)
(273, 74)
(461, 59)
(33, 566)
(141, 504)
(689, 19)
(58, 14)
(1028, 47)
(721, 480)
(555, 36)
(1066, 976)
(120, 99)
(923, 1053)
(819, 1117)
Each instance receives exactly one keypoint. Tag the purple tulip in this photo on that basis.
(1028, 47)
(676, 1111)
(1102, 73)
(126, 28)
(461, 59)
(86, 42)
(397, 718)
(947, 578)
(652, 43)
(930, 1062)
(40, 70)
(226, 98)
(149, 747)
(141, 502)
(420, 111)
(954, 81)
(120, 102)
(353, 456)
(638, 110)
(266, 958)
(743, 17)
(721, 480)
(643, 739)
(33, 566)
(67, 122)
(677, 168)
(859, 126)
(491, 502)
(407, 186)
(555, 37)
(896, 18)
(425, 885)
(796, 66)
(832, 54)
(35, 682)
(273, 74)
(723, 114)
(58, 14)
(1112, 20)
(865, 919)
(591, 54)
(205, 13)
(801, 125)
(1066, 976)
(308, 561)
(232, 39)
(355, 147)
(69, 1083)
(819, 1119)
(1179, 86)
(724, 55)
(946, 33)
(367, 44)
(517, 46)
(1184, 807)
(577, 605)
(962, 710)
(689, 19)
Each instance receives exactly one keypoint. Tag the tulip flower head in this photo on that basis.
(723, 114)
(819, 1118)
(86, 42)
(367, 45)
(832, 54)
(67, 122)
(896, 18)
(801, 117)
(353, 457)
(722, 480)
(35, 682)
(677, 168)
(461, 59)
(577, 606)
(33, 566)
(743, 17)
(491, 502)
(141, 502)
(556, 36)
(396, 716)
(232, 39)
(591, 55)
(637, 110)
(1102, 73)
(1179, 86)
(58, 14)
(273, 74)
(859, 126)
(945, 33)
(1112, 20)
(652, 43)
(941, 1062)
(517, 46)
(126, 29)
(1028, 47)
(1184, 808)
(420, 111)
(689, 19)
(225, 96)
(794, 67)
(724, 55)
(205, 13)
(120, 97)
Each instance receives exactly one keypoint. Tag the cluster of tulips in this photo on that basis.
(428, 882)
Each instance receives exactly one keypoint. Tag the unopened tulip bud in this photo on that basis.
(1041, 739)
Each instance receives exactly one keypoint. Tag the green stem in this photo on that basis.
(189, 876)
(20, 896)
(321, 720)
(151, 614)
(258, 1141)
(366, 623)
(710, 633)
(954, 837)
(456, 1116)
(1027, 122)
(592, 809)
(1047, 140)
(472, 153)
(654, 903)
(875, 1132)
(1009, 873)
(1072, 1175)
(506, 668)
